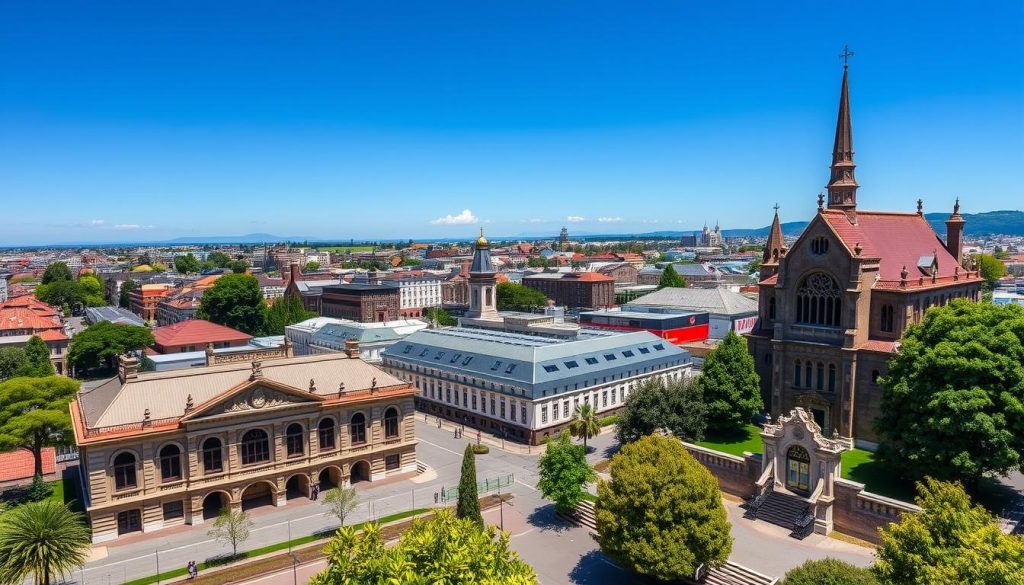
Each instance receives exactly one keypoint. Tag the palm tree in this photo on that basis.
(43, 539)
(584, 423)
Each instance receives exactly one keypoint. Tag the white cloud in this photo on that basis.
(131, 226)
(97, 221)
(466, 217)
(609, 219)
(575, 218)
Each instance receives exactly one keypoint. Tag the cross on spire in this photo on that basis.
(776, 208)
(845, 56)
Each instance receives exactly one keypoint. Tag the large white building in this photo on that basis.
(526, 387)
(321, 335)
(417, 290)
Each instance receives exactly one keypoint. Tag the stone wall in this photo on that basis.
(860, 513)
(736, 475)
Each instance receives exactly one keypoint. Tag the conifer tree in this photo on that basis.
(469, 500)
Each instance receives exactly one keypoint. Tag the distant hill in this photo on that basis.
(1005, 223)
(246, 239)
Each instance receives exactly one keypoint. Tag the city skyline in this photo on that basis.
(343, 125)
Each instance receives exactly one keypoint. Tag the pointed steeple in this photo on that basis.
(842, 186)
(773, 248)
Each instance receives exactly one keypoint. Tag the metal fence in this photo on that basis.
(482, 486)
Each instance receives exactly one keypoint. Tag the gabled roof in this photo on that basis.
(719, 301)
(896, 239)
(196, 332)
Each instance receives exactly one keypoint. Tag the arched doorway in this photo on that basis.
(297, 486)
(360, 472)
(329, 478)
(798, 469)
(213, 503)
(257, 495)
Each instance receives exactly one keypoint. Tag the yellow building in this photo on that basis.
(161, 449)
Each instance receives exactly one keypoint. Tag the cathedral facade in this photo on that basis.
(833, 307)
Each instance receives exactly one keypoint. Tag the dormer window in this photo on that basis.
(819, 245)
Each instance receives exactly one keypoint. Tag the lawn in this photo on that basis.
(749, 439)
(857, 464)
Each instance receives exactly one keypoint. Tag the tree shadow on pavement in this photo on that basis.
(546, 519)
(594, 568)
(611, 450)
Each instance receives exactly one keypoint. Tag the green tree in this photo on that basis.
(91, 290)
(37, 359)
(951, 404)
(312, 266)
(144, 260)
(950, 541)
(340, 502)
(676, 407)
(187, 264)
(519, 297)
(98, 345)
(438, 549)
(57, 271)
(124, 298)
(469, 500)
(564, 473)
(829, 571)
(218, 259)
(661, 514)
(584, 423)
(285, 311)
(34, 414)
(60, 293)
(991, 268)
(231, 527)
(671, 278)
(235, 300)
(731, 386)
(238, 266)
(44, 540)
(439, 316)
(12, 362)
(537, 262)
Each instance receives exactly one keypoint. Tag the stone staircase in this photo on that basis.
(785, 510)
(728, 574)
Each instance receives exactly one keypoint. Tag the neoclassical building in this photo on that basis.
(166, 448)
(832, 308)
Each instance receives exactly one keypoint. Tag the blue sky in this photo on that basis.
(126, 121)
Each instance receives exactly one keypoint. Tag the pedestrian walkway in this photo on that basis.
(480, 436)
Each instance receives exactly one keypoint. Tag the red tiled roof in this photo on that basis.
(20, 318)
(879, 345)
(589, 277)
(898, 239)
(19, 464)
(196, 332)
(52, 335)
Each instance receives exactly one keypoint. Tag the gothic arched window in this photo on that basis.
(818, 301)
(771, 308)
(887, 318)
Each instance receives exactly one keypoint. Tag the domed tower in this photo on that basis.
(483, 302)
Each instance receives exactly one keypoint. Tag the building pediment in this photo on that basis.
(253, 396)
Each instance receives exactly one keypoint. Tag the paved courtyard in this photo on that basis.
(558, 552)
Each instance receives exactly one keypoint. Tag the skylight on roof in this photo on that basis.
(551, 368)
(496, 365)
(628, 353)
(407, 349)
(644, 350)
(510, 368)
(610, 357)
(591, 360)
(572, 364)
(659, 347)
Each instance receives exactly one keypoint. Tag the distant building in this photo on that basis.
(3, 287)
(196, 335)
(563, 240)
(676, 328)
(526, 387)
(694, 274)
(329, 335)
(575, 289)
(144, 300)
(624, 273)
(417, 290)
(112, 314)
(688, 240)
(727, 310)
(360, 302)
(711, 238)
(24, 316)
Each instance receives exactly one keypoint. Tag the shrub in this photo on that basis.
(481, 449)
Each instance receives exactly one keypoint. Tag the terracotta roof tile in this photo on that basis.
(880, 345)
(196, 332)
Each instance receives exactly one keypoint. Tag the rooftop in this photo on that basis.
(721, 301)
(196, 332)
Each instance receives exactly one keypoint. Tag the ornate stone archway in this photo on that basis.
(801, 460)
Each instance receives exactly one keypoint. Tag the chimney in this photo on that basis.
(352, 348)
(127, 368)
(955, 233)
(293, 271)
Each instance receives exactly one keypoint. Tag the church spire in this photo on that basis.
(842, 186)
(773, 248)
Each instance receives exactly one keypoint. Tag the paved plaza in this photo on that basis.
(560, 553)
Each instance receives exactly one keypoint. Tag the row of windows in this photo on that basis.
(254, 448)
(807, 375)
(451, 396)
(571, 364)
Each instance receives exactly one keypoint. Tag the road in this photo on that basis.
(530, 519)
